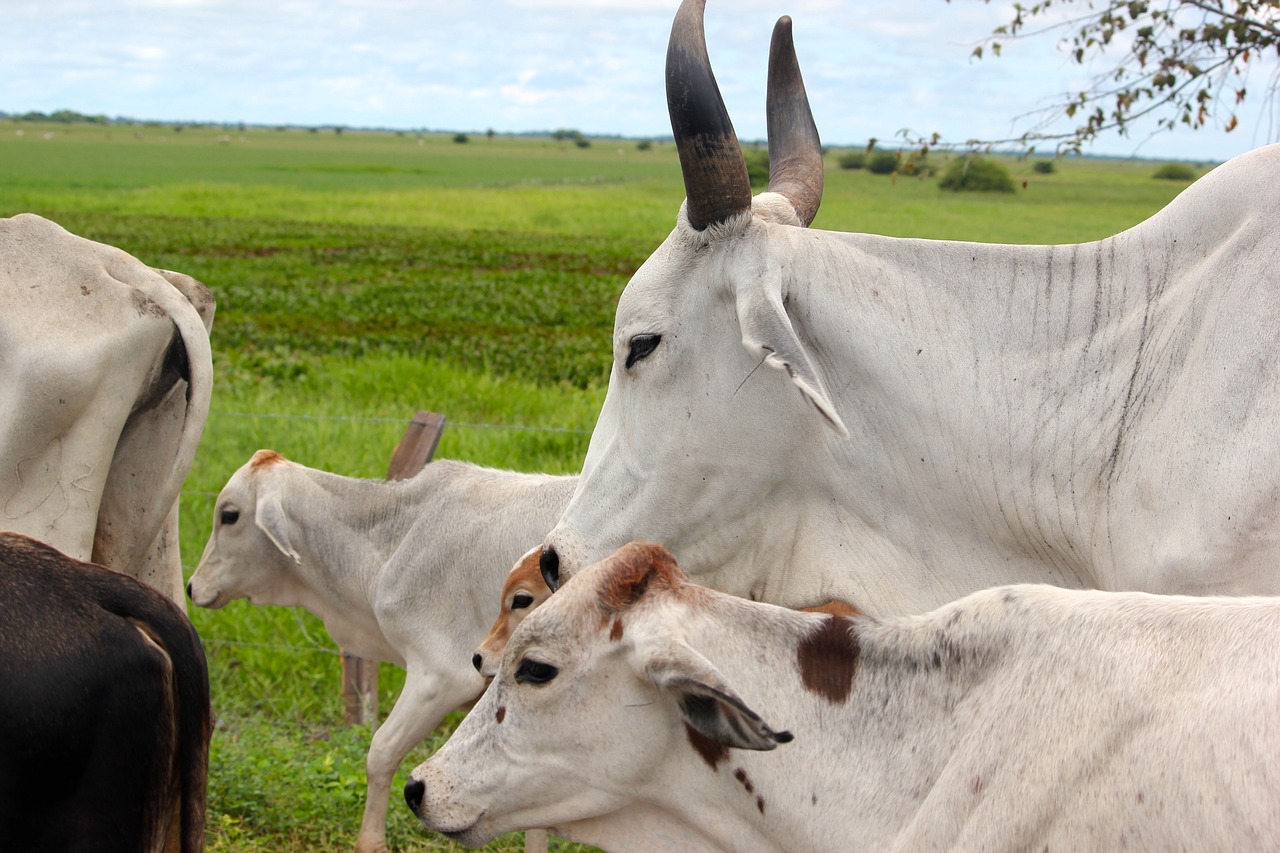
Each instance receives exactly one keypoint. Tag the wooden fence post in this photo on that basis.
(360, 676)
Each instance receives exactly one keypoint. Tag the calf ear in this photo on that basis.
(271, 520)
(706, 702)
(768, 334)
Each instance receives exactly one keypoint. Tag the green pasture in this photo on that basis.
(362, 276)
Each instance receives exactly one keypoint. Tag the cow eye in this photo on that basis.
(533, 671)
(229, 516)
(521, 601)
(641, 347)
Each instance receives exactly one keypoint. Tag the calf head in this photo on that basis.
(249, 553)
(594, 693)
(523, 591)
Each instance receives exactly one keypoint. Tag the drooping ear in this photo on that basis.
(706, 702)
(768, 334)
(271, 520)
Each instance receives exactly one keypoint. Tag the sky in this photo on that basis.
(873, 68)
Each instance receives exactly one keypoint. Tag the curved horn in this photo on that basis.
(795, 152)
(716, 184)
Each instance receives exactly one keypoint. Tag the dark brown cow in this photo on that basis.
(104, 710)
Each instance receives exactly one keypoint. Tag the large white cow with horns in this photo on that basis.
(801, 415)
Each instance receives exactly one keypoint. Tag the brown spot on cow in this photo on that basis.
(502, 713)
(741, 776)
(265, 459)
(828, 659)
(615, 633)
(633, 569)
(146, 306)
(712, 751)
(760, 804)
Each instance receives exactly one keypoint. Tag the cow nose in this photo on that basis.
(549, 564)
(476, 660)
(188, 589)
(413, 791)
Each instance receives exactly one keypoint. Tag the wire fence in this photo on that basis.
(406, 421)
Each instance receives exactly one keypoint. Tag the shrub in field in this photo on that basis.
(757, 165)
(852, 160)
(882, 163)
(644, 145)
(459, 138)
(1175, 172)
(976, 174)
(1045, 167)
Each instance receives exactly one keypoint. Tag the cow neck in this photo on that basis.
(890, 738)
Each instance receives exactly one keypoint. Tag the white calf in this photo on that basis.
(1017, 718)
(404, 571)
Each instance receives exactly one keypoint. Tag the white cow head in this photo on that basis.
(249, 553)
(598, 699)
(713, 390)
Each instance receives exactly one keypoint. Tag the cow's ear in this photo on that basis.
(706, 702)
(271, 520)
(768, 334)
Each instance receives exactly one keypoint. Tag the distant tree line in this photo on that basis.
(61, 116)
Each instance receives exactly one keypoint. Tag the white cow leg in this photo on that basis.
(422, 705)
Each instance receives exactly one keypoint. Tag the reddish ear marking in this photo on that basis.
(712, 752)
(502, 713)
(835, 607)
(828, 659)
(615, 633)
(632, 570)
(265, 459)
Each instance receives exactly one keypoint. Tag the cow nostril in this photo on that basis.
(476, 660)
(413, 791)
(188, 589)
(549, 563)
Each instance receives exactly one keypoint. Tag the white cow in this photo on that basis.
(1019, 718)
(105, 381)
(804, 415)
(405, 571)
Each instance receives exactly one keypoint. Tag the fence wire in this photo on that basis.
(405, 421)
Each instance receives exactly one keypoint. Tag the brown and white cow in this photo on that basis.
(104, 710)
(635, 710)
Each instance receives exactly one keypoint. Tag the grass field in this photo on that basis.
(363, 276)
